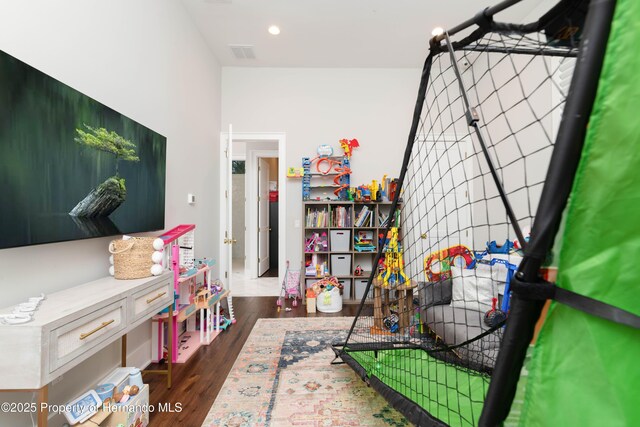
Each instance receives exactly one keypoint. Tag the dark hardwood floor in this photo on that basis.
(197, 383)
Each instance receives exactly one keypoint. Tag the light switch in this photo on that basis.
(191, 199)
(296, 223)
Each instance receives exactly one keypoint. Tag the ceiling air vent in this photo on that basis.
(242, 51)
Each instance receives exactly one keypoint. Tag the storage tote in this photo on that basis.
(132, 257)
(341, 265)
(340, 240)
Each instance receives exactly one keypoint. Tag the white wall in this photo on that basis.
(322, 106)
(146, 60)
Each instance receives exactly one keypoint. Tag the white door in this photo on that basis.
(226, 202)
(263, 216)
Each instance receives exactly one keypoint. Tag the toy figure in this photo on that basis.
(393, 274)
(374, 191)
(348, 145)
(358, 271)
(391, 322)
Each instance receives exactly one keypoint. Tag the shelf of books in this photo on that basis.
(341, 239)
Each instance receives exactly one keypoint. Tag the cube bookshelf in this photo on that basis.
(340, 236)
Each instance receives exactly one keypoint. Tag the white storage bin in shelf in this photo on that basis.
(360, 287)
(341, 265)
(346, 288)
(340, 240)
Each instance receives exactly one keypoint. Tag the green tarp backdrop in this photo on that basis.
(586, 370)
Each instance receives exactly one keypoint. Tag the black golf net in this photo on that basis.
(430, 327)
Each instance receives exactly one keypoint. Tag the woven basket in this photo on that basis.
(132, 257)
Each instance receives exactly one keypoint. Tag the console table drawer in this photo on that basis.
(85, 333)
(151, 300)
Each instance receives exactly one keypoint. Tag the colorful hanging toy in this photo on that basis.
(444, 259)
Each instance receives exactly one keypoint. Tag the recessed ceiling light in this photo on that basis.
(274, 30)
(437, 31)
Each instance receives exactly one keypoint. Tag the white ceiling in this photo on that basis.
(333, 33)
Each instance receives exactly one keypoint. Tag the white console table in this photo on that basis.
(72, 325)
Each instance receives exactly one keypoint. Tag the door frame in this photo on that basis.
(242, 157)
(249, 137)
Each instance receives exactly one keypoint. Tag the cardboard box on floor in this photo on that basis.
(137, 418)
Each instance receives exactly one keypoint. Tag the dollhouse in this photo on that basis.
(197, 297)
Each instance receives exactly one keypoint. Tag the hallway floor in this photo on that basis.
(242, 286)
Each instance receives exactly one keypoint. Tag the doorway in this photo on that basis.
(257, 221)
(268, 217)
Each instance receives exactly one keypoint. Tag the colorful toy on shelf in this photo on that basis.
(343, 180)
(314, 267)
(306, 178)
(375, 191)
(392, 188)
(364, 241)
(317, 243)
(437, 265)
(393, 273)
(383, 188)
(322, 270)
(348, 145)
(363, 194)
(358, 271)
(324, 150)
(327, 164)
(295, 172)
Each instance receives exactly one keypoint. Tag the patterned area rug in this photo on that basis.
(283, 377)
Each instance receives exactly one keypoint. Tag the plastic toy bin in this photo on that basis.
(361, 286)
(346, 288)
(340, 240)
(341, 265)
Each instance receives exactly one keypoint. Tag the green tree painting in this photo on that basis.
(109, 195)
(109, 142)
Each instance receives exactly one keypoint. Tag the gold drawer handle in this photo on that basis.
(103, 325)
(160, 295)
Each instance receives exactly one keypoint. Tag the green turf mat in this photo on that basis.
(452, 394)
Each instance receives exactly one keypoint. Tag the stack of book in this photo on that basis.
(365, 217)
(384, 219)
(316, 218)
(341, 217)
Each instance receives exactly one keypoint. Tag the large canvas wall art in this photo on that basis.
(70, 167)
